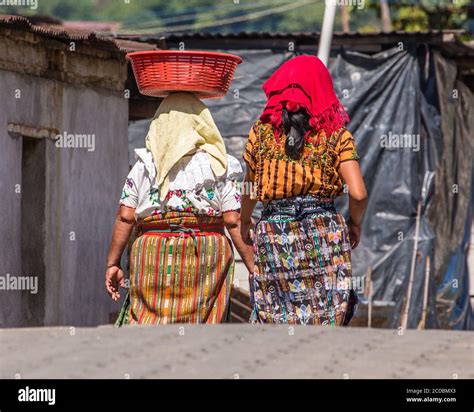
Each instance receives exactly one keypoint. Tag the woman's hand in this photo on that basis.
(245, 231)
(354, 234)
(114, 278)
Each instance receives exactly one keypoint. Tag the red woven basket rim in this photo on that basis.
(238, 59)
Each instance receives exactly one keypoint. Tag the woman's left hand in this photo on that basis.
(354, 234)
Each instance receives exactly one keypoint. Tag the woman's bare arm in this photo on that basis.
(123, 226)
(248, 204)
(232, 224)
(350, 173)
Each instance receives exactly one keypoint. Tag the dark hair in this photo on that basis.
(295, 125)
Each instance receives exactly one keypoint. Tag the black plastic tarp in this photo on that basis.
(451, 210)
(398, 152)
(235, 113)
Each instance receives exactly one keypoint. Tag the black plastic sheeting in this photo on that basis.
(411, 120)
(385, 100)
(451, 209)
(235, 113)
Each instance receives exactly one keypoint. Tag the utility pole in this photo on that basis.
(326, 31)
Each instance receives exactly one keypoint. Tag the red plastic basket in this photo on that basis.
(161, 72)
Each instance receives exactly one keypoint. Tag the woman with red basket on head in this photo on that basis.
(298, 154)
(181, 193)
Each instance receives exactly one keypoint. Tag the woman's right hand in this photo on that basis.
(245, 231)
(114, 278)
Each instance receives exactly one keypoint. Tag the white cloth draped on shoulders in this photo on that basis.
(193, 187)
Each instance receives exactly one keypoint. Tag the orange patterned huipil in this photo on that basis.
(277, 176)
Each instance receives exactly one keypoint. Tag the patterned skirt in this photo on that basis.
(302, 264)
(181, 270)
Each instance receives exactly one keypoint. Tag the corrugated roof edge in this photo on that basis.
(269, 35)
(445, 38)
(316, 33)
(108, 43)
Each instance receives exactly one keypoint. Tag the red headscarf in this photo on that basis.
(303, 81)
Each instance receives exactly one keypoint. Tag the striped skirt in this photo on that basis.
(181, 270)
(302, 264)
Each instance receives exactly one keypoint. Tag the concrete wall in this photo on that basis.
(82, 189)
(470, 265)
(10, 204)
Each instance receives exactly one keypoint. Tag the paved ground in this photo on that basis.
(241, 275)
(234, 351)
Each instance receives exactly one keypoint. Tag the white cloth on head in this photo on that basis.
(183, 124)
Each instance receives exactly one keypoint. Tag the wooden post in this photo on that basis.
(422, 323)
(412, 269)
(368, 288)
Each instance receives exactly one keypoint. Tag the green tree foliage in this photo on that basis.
(430, 14)
(416, 15)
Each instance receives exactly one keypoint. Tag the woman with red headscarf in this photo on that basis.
(298, 155)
